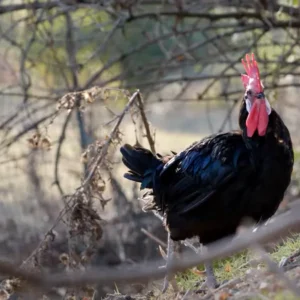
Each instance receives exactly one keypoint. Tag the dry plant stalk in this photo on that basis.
(83, 222)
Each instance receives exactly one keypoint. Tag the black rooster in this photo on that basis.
(209, 188)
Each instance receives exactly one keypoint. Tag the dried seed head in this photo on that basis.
(88, 97)
(66, 102)
(32, 143)
(36, 136)
(34, 140)
(12, 285)
(84, 157)
(64, 258)
(45, 143)
(37, 141)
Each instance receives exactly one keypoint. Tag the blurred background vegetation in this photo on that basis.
(183, 55)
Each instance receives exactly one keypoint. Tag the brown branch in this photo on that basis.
(6, 144)
(195, 14)
(232, 93)
(105, 41)
(206, 77)
(193, 47)
(58, 152)
(280, 227)
(71, 50)
(154, 238)
(146, 123)
(124, 56)
(173, 66)
(217, 17)
(196, 46)
(290, 10)
(29, 6)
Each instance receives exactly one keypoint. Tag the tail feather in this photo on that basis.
(142, 165)
(133, 176)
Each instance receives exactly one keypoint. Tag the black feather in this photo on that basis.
(141, 163)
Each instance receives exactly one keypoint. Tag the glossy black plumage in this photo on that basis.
(207, 189)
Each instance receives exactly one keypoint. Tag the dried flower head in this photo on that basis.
(66, 102)
(45, 143)
(88, 97)
(64, 258)
(38, 141)
(84, 157)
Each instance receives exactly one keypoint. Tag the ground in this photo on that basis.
(242, 276)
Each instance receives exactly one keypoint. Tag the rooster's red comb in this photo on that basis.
(251, 68)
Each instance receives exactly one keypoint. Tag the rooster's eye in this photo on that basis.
(260, 96)
(249, 93)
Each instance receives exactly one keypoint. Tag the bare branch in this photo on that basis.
(154, 238)
(278, 228)
(58, 152)
(146, 124)
(29, 6)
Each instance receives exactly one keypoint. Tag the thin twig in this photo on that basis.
(153, 237)
(58, 153)
(146, 123)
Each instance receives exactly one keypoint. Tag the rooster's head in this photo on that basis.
(257, 105)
